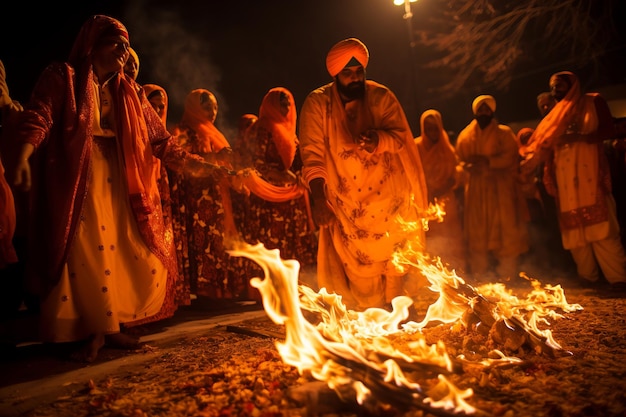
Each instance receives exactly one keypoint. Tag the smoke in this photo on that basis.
(173, 54)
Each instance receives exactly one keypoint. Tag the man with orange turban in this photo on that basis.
(495, 213)
(365, 178)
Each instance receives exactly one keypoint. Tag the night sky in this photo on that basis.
(241, 49)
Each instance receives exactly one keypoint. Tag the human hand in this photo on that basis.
(476, 163)
(619, 144)
(368, 140)
(196, 167)
(280, 177)
(225, 156)
(322, 212)
(528, 166)
(237, 183)
(22, 178)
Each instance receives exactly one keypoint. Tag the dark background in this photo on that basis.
(241, 49)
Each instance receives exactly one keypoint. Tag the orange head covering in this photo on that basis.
(151, 89)
(555, 123)
(436, 115)
(282, 128)
(94, 29)
(132, 56)
(523, 136)
(245, 121)
(485, 98)
(210, 139)
(439, 158)
(131, 126)
(347, 52)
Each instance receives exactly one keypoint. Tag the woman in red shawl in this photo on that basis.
(203, 216)
(282, 223)
(100, 256)
(443, 176)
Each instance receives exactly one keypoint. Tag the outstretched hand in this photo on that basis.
(199, 168)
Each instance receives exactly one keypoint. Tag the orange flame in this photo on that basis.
(345, 348)
(342, 336)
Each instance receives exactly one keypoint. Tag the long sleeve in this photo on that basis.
(312, 121)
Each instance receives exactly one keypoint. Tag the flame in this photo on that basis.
(377, 353)
(455, 296)
(346, 348)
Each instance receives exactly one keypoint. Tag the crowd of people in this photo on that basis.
(113, 216)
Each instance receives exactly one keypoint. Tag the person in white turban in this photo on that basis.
(364, 173)
(495, 213)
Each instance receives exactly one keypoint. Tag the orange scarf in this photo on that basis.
(210, 139)
(149, 89)
(556, 122)
(135, 145)
(438, 158)
(257, 185)
(282, 128)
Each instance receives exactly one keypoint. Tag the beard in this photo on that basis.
(354, 90)
(483, 120)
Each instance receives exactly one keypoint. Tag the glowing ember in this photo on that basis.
(379, 354)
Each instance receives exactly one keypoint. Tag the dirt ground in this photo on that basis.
(224, 362)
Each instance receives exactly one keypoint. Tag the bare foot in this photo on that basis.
(122, 341)
(89, 352)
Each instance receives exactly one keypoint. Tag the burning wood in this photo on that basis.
(215, 372)
(506, 330)
(377, 355)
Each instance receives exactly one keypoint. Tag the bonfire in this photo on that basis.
(382, 357)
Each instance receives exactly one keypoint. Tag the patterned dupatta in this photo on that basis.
(131, 128)
(135, 145)
(283, 131)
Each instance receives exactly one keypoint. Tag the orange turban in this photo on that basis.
(345, 52)
(489, 100)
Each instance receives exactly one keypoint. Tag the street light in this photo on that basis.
(408, 16)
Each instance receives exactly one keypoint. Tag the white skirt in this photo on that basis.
(110, 277)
